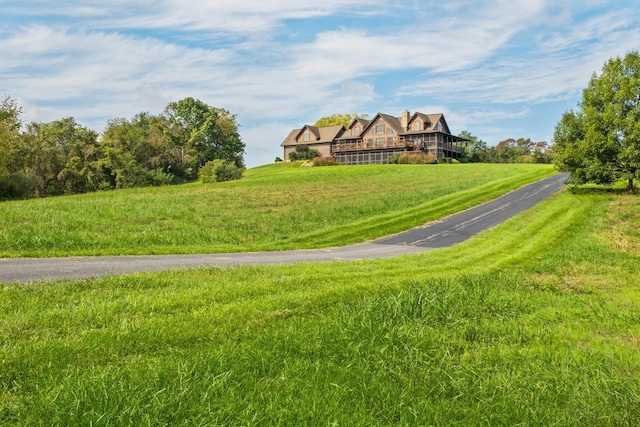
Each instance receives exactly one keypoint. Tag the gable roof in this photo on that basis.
(432, 120)
(319, 135)
(329, 134)
(392, 121)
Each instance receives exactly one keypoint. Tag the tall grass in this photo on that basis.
(534, 322)
(272, 208)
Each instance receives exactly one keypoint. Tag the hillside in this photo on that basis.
(274, 207)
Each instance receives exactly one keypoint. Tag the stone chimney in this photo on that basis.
(404, 120)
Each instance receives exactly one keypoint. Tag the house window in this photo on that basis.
(416, 125)
(439, 127)
(380, 128)
(389, 131)
(356, 131)
(305, 136)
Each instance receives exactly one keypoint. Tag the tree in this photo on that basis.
(62, 156)
(343, 120)
(600, 142)
(140, 151)
(476, 149)
(204, 133)
(10, 146)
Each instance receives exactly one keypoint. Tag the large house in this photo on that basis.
(375, 141)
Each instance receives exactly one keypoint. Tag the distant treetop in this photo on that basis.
(339, 119)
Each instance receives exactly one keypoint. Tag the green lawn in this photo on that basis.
(273, 208)
(534, 322)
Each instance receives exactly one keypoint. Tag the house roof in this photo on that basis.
(364, 122)
(322, 135)
(392, 121)
(319, 135)
(432, 120)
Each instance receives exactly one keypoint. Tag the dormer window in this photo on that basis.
(416, 125)
(356, 131)
(305, 136)
(439, 127)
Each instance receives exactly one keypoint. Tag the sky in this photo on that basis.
(497, 69)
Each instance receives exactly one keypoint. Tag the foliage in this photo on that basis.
(476, 149)
(448, 160)
(325, 161)
(303, 152)
(136, 152)
(204, 133)
(417, 158)
(62, 157)
(220, 170)
(490, 332)
(521, 150)
(600, 142)
(12, 174)
(343, 120)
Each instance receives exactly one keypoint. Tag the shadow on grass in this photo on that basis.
(601, 189)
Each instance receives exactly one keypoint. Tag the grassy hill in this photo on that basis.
(534, 322)
(274, 207)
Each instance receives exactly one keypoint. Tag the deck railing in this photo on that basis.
(362, 145)
(366, 146)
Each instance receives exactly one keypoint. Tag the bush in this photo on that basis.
(18, 186)
(325, 161)
(278, 160)
(448, 160)
(416, 159)
(393, 160)
(220, 170)
(160, 177)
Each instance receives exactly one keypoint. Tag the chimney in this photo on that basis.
(404, 120)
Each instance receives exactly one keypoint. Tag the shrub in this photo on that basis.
(393, 160)
(449, 160)
(278, 160)
(325, 161)
(220, 170)
(18, 186)
(160, 177)
(416, 159)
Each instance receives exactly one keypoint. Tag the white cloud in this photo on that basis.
(479, 62)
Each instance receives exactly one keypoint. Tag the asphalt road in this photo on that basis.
(449, 231)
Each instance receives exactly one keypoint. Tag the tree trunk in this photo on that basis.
(630, 187)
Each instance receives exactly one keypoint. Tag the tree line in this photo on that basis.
(63, 157)
(521, 150)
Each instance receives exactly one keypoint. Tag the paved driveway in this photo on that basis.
(449, 231)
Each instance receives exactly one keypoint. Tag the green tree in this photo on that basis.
(9, 132)
(343, 120)
(63, 157)
(600, 142)
(204, 133)
(476, 149)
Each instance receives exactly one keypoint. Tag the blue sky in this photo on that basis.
(498, 69)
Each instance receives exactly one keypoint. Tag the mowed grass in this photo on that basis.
(273, 208)
(535, 322)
